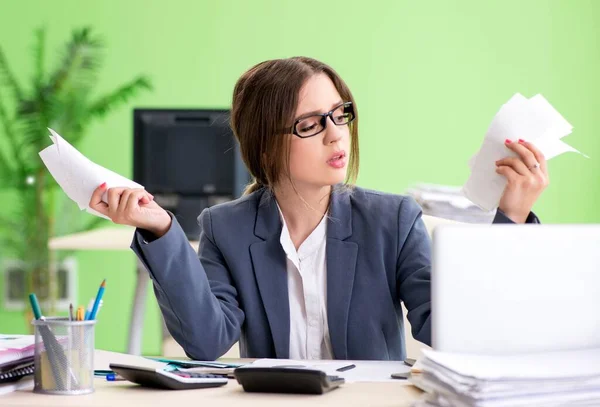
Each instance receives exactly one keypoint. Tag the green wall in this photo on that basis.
(427, 76)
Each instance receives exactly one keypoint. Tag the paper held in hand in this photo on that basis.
(77, 175)
(534, 120)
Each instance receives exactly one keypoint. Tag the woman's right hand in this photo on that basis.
(133, 207)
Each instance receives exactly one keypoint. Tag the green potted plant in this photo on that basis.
(59, 98)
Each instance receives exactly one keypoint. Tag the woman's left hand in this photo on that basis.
(527, 177)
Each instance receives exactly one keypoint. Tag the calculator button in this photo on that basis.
(198, 375)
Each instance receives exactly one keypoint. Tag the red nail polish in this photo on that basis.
(103, 185)
(507, 141)
(521, 140)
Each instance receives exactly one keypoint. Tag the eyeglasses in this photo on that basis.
(313, 125)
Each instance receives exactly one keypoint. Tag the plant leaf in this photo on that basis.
(80, 63)
(12, 226)
(8, 78)
(39, 54)
(34, 137)
(121, 95)
(107, 103)
(8, 173)
(9, 130)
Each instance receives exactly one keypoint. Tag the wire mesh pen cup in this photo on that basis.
(64, 356)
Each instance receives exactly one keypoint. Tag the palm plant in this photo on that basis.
(62, 99)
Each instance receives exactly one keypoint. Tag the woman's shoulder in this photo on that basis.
(242, 206)
(394, 215)
(234, 218)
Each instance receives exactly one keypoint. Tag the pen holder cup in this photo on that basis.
(64, 356)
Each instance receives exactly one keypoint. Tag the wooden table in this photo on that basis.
(396, 394)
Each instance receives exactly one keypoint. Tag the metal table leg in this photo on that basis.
(136, 326)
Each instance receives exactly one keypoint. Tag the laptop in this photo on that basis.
(505, 289)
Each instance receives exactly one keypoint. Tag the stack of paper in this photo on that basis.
(16, 348)
(77, 175)
(448, 202)
(533, 120)
(567, 378)
(16, 362)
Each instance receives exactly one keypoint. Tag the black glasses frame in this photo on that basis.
(348, 108)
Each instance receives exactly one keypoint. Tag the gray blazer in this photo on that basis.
(235, 287)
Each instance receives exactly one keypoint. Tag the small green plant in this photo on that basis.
(62, 99)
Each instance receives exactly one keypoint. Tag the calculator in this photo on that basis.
(164, 379)
(280, 379)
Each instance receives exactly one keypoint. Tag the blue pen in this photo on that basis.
(92, 315)
(114, 378)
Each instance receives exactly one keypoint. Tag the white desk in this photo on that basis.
(115, 238)
(397, 394)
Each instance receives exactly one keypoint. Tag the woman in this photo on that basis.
(303, 265)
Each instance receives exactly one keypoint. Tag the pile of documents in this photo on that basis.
(533, 120)
(565, 378)
(448, 202)
(16, 362)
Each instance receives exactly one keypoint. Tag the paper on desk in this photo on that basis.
(571, 364)
(364, 370)
(77, 175)
(537, 379)
(520, 118)
(26, 383)
(328, 366)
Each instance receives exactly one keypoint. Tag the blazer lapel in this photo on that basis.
(269, 264)
(341, 265)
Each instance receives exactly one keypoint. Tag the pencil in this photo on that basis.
(35, 305)
(92, 315)
(88, 310)
(53, 349)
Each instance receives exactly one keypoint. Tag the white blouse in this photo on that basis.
(307, 291)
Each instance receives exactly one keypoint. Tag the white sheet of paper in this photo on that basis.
(26, 383)
(544, 365)
(577, 399)
(328, 366)
(77, 175)
(375, 371)
(364, 370)
(520, 118)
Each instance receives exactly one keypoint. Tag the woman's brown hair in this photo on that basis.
(265, 99)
